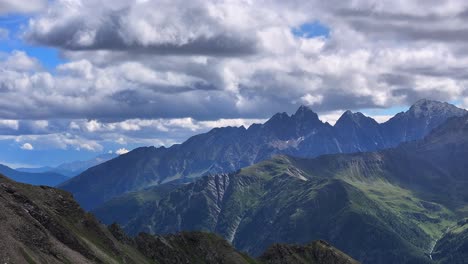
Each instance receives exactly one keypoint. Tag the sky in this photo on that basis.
(79, 78)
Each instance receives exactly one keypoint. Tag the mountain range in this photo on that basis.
(399, 205)
(228, 149)
(71, 169)
(36, 178)
(45, 225)
(52, 176)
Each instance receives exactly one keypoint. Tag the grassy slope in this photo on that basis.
(123, 208)
(281, 200)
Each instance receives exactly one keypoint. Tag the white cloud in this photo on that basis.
(11, 124)
(112, 74)
(19, 61)
(60, 141)
(27, 146)
(121, 151)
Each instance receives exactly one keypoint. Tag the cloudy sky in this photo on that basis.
(84, 77)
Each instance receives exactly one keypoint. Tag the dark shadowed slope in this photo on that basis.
(43, 178)
(228, 149)
(452, 247)
(45, 225)
(314, 253)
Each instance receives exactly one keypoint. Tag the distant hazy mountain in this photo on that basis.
(231, 148)
(74, 168)
(45, 225)
(389, 206)
(42, 178)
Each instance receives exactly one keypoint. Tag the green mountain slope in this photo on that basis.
(285, 207)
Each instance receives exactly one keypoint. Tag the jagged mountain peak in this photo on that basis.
(302, 114)
(425, 107)
(305, 110)
(355, 118)
(305, 114)
(278, 117)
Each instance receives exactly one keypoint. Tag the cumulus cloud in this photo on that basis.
(179, 27)
(121, 151)
(62, 141)
(27, 146)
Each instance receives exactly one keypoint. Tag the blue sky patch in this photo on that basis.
(311, 30)
(49, 57)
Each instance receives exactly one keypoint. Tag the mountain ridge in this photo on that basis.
(73, 168)
(40, 178)
(231, 148)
